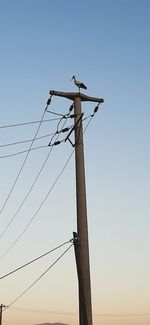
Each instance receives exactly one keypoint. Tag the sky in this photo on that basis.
(106, 45)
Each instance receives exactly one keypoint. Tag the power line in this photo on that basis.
(32, 149)
(91, 116)
(25, 291)
(115, 315)
(26, 157)
(25, 141)
(30, 140)
(35, 148)
(39, 208)
(123, 315)
(34, 122)
(33, 217)
(42, 311)
(59, 175)
(33, 184)
(34, 260)
(21, 152)
(58, 114)
(19, 173)
(38, 277)
(27, 123)
(28, 193)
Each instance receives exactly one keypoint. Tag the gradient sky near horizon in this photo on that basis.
(106, 44)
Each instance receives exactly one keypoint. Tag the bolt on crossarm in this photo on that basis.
(81, 245)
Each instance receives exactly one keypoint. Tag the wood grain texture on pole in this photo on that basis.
(82, 249)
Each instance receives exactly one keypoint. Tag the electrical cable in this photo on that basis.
(27, 123)
(20, 206)
(25, 141)
(58, 312)
(26, 196)
(39, 208)
(17, 177)
(88, 124)
(21, 234)
(24, 151)
(63, 116)
(22, 166)
(21, 152)
(42, 311)
(30, 140)
(35, 259)
(91, 117)
(25, 291)
(58, 114)
(16, 299)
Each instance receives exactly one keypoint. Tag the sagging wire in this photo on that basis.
(33, 184)
(35, 148)
(92, 115)
(64, 116)
(58, 312)
(27, 123)
(22, 166)
(26, 141)
(21, 152)
(25, 291)
(59, 175)
(95, 110)
(31, 310)
(39, 208)
(64, 130)
(58, 114)
(80, 120)
(35, 259)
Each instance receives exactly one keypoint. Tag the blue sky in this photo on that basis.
(106, 44)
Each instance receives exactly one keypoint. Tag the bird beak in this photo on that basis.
(71, 79)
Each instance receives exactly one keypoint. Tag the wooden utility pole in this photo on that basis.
(1, 312)
(81, 238)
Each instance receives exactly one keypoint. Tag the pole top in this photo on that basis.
(72, 96)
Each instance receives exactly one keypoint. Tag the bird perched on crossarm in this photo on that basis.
(78, 83)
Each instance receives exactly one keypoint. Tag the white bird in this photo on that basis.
(78, 83)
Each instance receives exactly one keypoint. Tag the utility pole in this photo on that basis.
(81, 244)
(1, 312)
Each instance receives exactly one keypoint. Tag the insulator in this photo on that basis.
(49, 101)
(72, 115)
(56, 143)
(71, 108)
(96, 108)
(65, 130)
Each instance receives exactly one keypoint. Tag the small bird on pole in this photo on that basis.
(78, 83)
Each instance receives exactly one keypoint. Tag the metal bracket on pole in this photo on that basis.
(73, 128)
